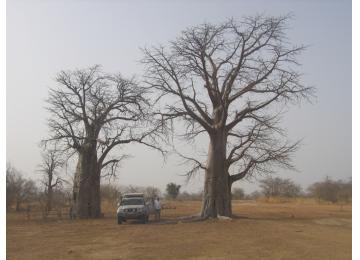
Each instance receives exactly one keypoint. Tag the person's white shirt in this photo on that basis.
(157, 204)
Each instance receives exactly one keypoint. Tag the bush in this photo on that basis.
(172, 190)
(277, 187)
(332, 191)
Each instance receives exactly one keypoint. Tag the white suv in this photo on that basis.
(133, 206)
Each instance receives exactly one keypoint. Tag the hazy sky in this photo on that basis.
(44, 37)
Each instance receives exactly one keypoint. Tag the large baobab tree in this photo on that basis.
(230, 82)
(91, 113)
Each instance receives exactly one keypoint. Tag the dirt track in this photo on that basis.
(263, 231)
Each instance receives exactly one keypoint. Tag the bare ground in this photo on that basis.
(261, 231)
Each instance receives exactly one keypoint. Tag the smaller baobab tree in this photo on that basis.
(52, 162)
(92, 113)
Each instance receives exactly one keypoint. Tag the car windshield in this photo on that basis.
(132, 201)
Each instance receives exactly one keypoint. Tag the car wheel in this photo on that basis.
(119, 220)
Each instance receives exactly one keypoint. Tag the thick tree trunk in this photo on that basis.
(217, 196)
(86, 191)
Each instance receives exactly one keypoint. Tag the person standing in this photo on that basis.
(157, 205)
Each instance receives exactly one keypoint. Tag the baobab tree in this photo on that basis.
(49, 168)
(223, 80)
(91, 113)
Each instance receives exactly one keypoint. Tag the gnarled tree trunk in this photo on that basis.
(86, 191)
(217, 196)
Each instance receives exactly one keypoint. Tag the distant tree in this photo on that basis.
(325, 190)
(18, 189)
(172, 190)
(330, 190)
(277, 187)
(51, 163)
(238, 194)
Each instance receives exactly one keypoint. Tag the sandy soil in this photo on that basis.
(261, 231)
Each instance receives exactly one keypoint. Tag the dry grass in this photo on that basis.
(287, 230)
